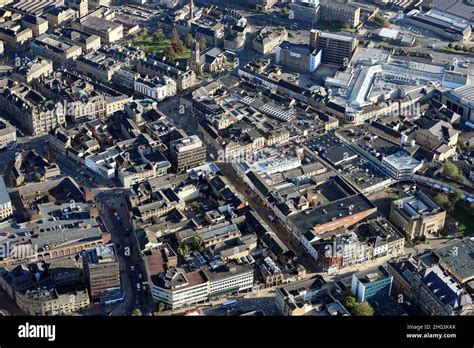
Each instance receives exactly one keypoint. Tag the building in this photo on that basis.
(458, 260)
(333, 11)
(107, 30)
(372, 285)
(179, 288)
(155, 88)
(154, 66)
(307, 12)
(52, 47)
(298, 57)
(266, 40)
(31, 109)
(6, 208)
(81, 6)
(88, 42)
(336, 48)
(7, 134)
(437, 136)
(309, 297)
(417, 215)
(101, 270)
(60, 16)
(14, 34)
(34, 69)
(98, 65)
(401, 166)
(341, 208)
(446, 25)
(212, 60)
(460, 100)
(429, 288)
(365, 243)
(50, 302)
(37, 24)
(187, 153)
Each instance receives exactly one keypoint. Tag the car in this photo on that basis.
(132, 268)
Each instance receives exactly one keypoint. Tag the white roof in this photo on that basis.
(388, 33)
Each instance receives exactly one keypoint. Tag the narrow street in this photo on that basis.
(264, 212)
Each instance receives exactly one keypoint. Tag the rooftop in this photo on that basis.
(458, 258)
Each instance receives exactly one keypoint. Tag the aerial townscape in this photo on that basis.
(236, 158)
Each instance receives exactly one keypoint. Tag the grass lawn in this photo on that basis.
(151, 45)
(466, 221)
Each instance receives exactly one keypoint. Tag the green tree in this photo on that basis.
(188, 40)
(202, 43)
(183, 249)
(380, 20)
(197, 243)
(348, 300)
(451, 170)
(363, 309)
(37, 177)
(443, 201)
(456, 196)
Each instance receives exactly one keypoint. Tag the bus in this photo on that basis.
(229, 304)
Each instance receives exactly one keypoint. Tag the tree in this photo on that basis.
(450, 45)
(443, 201)
(380, 20)
(456, 196)
(183, 249)
(348, 300)
(197, 243)
(177, 46)
(169, 53)
(159, 36)
(188, 40)
(161, 306)
(451, 170)
(363, 309)
(174, 35)
(144, 32)
(136, 312)
(202, 43)
(37, 177)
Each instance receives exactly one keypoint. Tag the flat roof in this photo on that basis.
(458, 258)
(388, 33)
(331, 212)
(4, 196)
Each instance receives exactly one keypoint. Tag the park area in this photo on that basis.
(158, 44)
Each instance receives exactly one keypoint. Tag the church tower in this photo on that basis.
(195, 61)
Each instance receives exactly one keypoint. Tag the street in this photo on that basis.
(264, 212)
